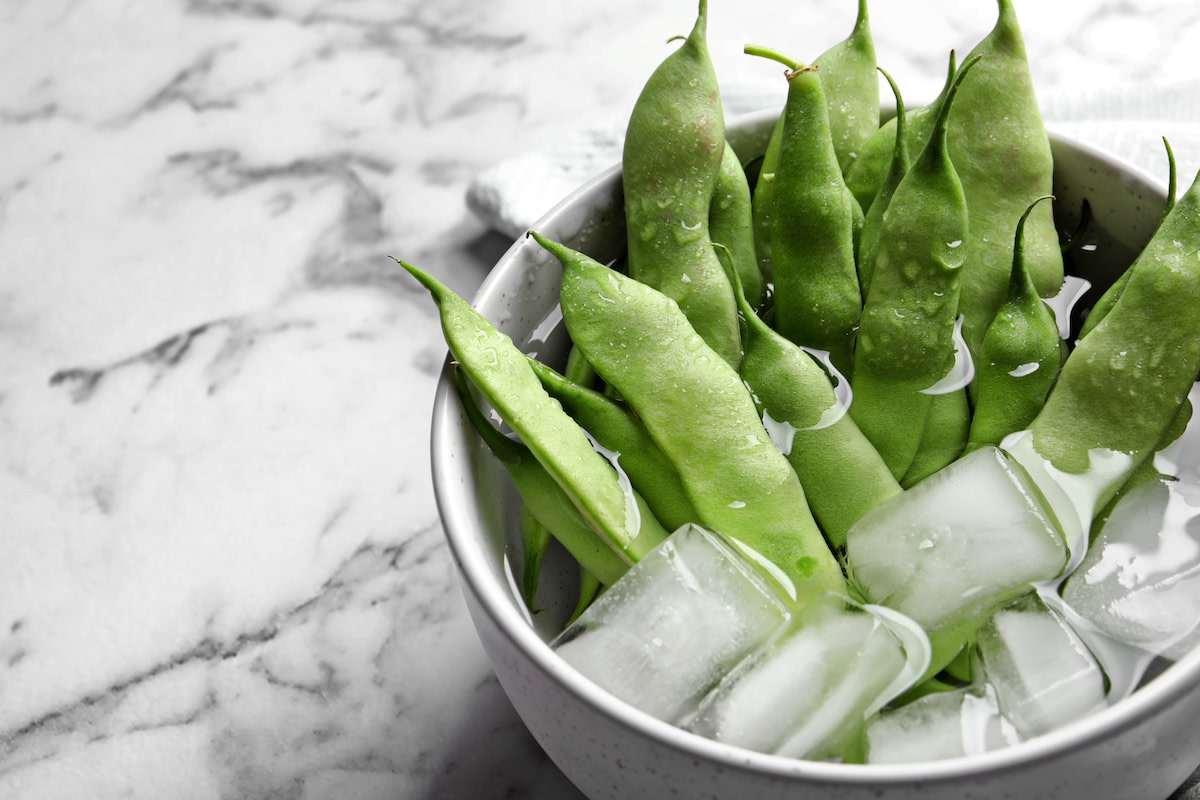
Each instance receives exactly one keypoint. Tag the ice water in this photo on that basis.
(662, 636)
(809, 692)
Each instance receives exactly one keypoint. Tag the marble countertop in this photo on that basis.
(222, 570)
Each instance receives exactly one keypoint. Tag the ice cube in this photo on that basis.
(1042, 673)
(1140, 581)
(950, 724)
(807, 692)
(956, 546)
(664, 634)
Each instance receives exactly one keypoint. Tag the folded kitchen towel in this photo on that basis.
(1129, 123)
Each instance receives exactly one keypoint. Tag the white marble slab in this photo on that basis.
(221, 569)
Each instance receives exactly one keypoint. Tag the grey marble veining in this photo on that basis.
(223, 574)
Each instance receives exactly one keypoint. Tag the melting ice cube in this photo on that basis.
(664, 634)
(1140, 581)
(960, 543)
(951, 724)
(1043, 675)
(806, 693)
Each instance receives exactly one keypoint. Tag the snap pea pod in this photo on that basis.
(1124, 383)
(868, 172)
(731, 222)
(617, 430)
(501, 372)
(543, 502)
(906, 337)
(674, 143)
(842, 474)
(851, 89)
(1020, 356)
(868, 244)
(699, 412)
(814, 224)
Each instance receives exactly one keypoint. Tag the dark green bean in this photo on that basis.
(1105, 303)
(868, 172)
(697, 409)
(842, 474)
(851, 89)
(1000, 148)
(906, 338)
(868, 244)
(535, 540)
(814, 224)
(731, 223)
(618, 431)
(764, 191)
(502, 374)
(543, 500)
(674, 144)
(1124, 383)
(943, 437)
(1019, 359)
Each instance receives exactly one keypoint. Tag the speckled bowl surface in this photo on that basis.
(1143, 747)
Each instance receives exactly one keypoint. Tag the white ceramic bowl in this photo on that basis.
(1143, 747)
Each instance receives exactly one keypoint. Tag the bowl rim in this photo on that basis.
(495, 599)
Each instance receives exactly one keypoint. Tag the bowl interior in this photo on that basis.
(520, 296)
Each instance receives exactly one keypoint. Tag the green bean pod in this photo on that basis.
(906, 338)
(731, 223)
(868, 244)
(535, 540)
(869, 171)
(764, 192)
(813, 226)
(1105, 303)
(699, 412)
(851, 89)
(502, 374)
(543, 501)
(577, 368)
(1020, 356)
(589, 590)
(842, 474)
(1124, 383)
(674, 143)
(999, 145)
(617, 430)
(943, 437)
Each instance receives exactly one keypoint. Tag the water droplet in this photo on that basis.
(1024, 369)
